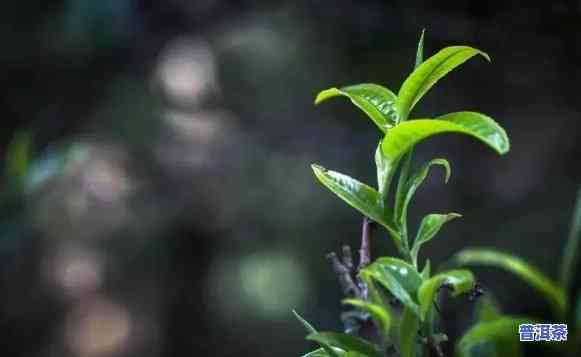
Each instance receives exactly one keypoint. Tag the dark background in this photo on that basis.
(170, 209)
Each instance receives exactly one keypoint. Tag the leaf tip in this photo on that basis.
(318, 168)
(326, 94)
(453, 215)
(485, 55)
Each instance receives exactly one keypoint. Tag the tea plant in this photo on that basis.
(394, 299)
(497, 332)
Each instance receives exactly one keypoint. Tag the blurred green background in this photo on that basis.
(170, 210)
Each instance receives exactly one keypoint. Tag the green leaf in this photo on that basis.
(430, 226)
(306, 324)
(429, 72)
(412, 185)
(408, 332)
(398, 277)
(322, 353)
(554, 294)
(420, 51)
(425, 274)
(379, 314)
(345, 342)
(358, 195)
(498, 338)
(354, 354)
(374, 100)
(374, 295)
(403, 137)
(330, 352)
(569, 263)
(481, 127)
(461, 281)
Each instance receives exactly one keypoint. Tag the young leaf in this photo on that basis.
(358, 195)
(429, 72)
(554, 294)
(430, 226)
(403, 137)
(408, 332)
(481, 127)
(460, 281)
(374, 100)
(412, 185)
(398, 277)
(345, 342)
(420, 51)
(330, 351)
(379, 314)
(569, 262)
(497, 337)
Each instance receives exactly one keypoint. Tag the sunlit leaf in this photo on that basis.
(401, 138)
(499, 338)
(327, 348)
(358, 195)
(412, 185)
(481, 127)
(569, 263)
(379, 314)
(459, 281)
(374, 100)
(429, 72)
(398, 277)
(408, 333)
(345, 342)
(535, 278)
(430, 226)
(420, 50)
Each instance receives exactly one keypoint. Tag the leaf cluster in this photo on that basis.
(408, 330)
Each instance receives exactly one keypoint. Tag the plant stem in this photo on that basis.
(365, 249)
(400, 217)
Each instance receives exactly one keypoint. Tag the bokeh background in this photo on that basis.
(169, 209)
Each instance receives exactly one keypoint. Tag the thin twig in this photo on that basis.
(348, 258)
(344, 274)
(365, 250)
